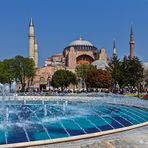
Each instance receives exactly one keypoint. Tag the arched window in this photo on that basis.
(84, 59)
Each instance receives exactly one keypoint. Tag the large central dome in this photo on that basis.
(80, 42)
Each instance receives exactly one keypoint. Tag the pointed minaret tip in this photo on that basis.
(114, 44)
(114, 48)
(131, 32)
(31, 22)
(131, 35)
(81, 38)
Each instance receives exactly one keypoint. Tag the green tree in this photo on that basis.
(146, 76)
(133, 72)
(82, 70)
(23, 69)
(63, 78)
(2, 77)
(128, 72)
(115, 69)
(98, 79)
(7, 72)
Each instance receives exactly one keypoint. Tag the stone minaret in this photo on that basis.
(31, 37)
(132, 44)
(36, 54)
(114, 49)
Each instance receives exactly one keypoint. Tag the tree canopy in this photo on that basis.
(81, 70)
(115, 69)
(146, 76)
(128, 72)
(98, 79)
(24, 69)
(6, 71)
(19, 68)
(63, 78)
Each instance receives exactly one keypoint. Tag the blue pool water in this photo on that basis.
(37, 120)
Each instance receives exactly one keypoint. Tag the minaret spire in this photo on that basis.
(114, 49)
(131, 33)
(132, 43)
(81, 38)
(36, 53)
(31, 37)
(31, 22)
(33, 45)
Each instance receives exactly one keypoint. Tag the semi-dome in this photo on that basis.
(100, 64)
(145, 65)
(80, 42)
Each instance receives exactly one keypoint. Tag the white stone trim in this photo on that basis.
(73, 138)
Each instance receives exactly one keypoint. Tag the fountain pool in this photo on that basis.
(25, 121)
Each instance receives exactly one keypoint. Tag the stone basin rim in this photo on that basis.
(73, 138)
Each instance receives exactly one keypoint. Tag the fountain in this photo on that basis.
(65, 104)
(24, 102)
(45, 110)
(58, 117)
(1, 88)
(7, 114)
(5, 92)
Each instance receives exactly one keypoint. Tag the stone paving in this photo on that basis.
(136, 138)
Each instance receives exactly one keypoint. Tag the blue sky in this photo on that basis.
(58, 22)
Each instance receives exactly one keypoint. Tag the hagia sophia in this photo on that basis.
(77, 52)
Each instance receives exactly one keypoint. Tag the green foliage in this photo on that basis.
(127, 72)
(19, 68)
(133, 72)
(82, 70)
(2, 77)
(98, 79)
(6, 71)
(115, 68)
(24, 69)
(146, 76)
(63, 78)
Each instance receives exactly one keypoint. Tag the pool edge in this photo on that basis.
(73, 138)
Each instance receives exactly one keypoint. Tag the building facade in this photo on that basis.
(55, 60)
(76, 53)
(82, 52)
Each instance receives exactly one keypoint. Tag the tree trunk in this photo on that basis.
(138, 91)
(10, 85)
(23, 87)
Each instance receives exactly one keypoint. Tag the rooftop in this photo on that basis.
(81, 42)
